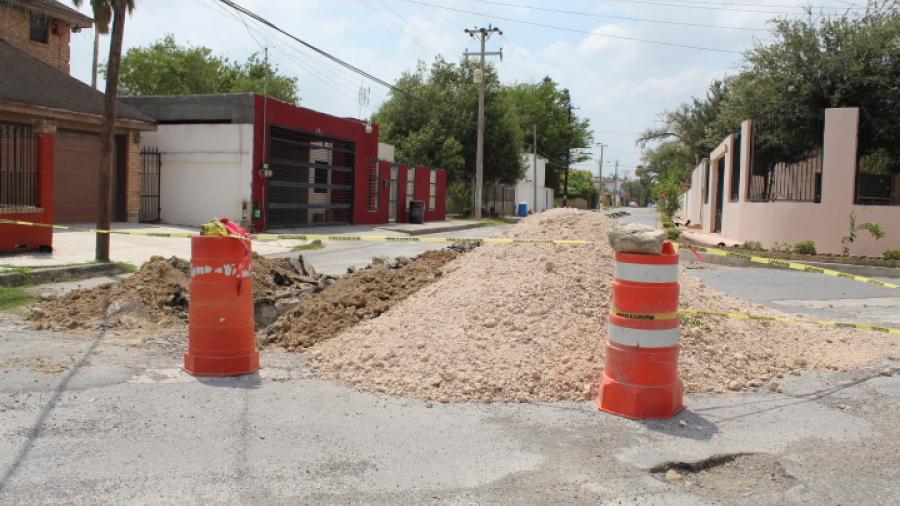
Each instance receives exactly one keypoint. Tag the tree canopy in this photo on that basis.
(168, 68)
(785, 86)
(545, 105)
(432, 120)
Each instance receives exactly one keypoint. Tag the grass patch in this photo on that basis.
(11, 298)
(127, 267)
(312, 245)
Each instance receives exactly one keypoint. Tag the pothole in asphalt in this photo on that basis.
(730, 475)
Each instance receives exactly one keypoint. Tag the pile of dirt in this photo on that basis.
(356, 296)
(157, 296)
(529, 323)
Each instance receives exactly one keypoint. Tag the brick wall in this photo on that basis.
(15, 28)
(133, 195)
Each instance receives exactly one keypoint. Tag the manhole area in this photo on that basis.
(731, 475)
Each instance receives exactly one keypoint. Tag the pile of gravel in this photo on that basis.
(529, 323)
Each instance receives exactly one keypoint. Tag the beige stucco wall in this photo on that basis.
(790, 222)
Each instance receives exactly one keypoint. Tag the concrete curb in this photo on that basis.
(870, 271)
(426, 231)
(54, 274)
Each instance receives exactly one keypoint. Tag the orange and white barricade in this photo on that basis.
(641, 379)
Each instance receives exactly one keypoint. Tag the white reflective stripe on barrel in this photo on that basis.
(662, 338)
(647, 273)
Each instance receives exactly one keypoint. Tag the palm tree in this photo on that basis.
(104, 11)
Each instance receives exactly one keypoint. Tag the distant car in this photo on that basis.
(651, 205)
(632, 204)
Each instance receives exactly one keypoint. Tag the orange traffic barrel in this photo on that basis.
(640, 379)
(221, 339)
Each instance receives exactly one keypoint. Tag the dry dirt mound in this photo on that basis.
(157, 295)
(355, 297)
(529, 322)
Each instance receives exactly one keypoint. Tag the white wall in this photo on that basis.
(206, 171)
(386, 152)
(525, 187)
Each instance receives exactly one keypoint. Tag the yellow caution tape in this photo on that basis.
(644, 316)
(797, 266)
(781, 319)
(322, 237)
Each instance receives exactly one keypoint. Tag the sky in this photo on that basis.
(624, 61)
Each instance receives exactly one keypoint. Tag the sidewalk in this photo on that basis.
(432, 227)
(78, 247)
(708, 238)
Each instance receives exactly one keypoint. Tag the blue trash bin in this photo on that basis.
(522, 210)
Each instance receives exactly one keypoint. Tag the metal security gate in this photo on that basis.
(312, 179)
(151, 165)
(395, 192)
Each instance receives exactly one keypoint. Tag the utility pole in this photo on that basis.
(616, 184)
(94, 64)
(534, 164)
(600, 175)
(484, 34)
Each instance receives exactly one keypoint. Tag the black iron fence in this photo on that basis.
(18, 167)
(773, 180)
(151, 165)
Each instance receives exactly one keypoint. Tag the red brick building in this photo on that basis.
(49, 129)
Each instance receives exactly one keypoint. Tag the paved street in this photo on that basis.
(111, 419)
(337, 256)
(803, 293)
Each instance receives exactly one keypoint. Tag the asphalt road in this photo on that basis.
(337, 256)
(112, 420)
(803, 293)
(109, 418)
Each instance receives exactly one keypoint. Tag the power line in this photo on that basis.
(625, 18)
(330, 83)
(750, 4)
(670, 3)
(321, 52)
(564, 29)
(437, 44)
(415, 40)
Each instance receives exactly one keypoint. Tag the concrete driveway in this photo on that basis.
(110, 419)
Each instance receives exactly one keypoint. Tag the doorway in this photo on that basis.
(720, 187)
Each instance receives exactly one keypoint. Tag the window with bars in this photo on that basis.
(18, 167)
(39, 29)
(432, 189)
(373, 193)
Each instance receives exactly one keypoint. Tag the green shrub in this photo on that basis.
(673, 232)
(753, 245)
(805, 248)
(892, 254)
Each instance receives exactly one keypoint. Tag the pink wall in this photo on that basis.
(790, 222)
